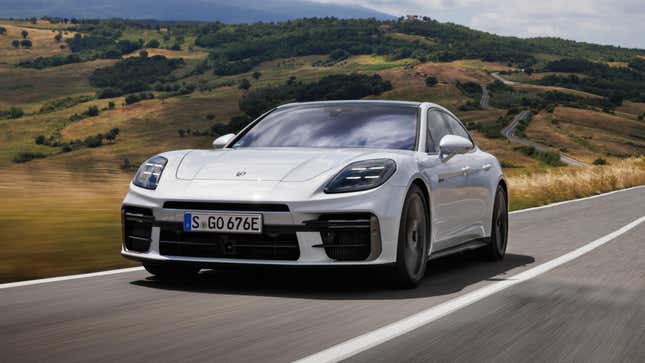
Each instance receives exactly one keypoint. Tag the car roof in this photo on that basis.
(356, 102)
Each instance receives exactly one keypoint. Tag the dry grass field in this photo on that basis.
(558, 184)
(586, 134)
(56, 222)
(44, 44)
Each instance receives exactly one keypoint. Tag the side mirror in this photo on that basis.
(221, 141)
(452, 145)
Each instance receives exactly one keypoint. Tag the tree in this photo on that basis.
(431, 81)
(111, 105)
(256, 75)
(15, 43)
(94, 141)
(33, 20)
(154, 43)
(15, 112)
(210, 117)
(175, 46)
(58, 37)
(245, 84)
(24, 34)
(181, 132)
(40, 140)
(3, 30)
(26, 43)
(93, 111)
(143, 54)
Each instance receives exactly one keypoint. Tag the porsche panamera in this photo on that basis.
(332, 183)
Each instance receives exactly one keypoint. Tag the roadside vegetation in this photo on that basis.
(558, 184)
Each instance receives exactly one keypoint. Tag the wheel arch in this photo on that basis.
(425, 189)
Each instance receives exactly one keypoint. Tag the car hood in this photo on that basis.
(268, 164)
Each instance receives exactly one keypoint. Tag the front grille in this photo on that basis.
(265, 246)
(238, 207)
(137, 228)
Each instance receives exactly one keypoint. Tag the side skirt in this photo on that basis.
(470, 245)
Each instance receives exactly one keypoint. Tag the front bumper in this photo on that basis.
(295, 232)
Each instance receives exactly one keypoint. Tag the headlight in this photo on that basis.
(149, 172)
(362, 175)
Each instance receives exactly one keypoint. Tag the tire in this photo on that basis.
(171, 271)
(496, 247)
(414, 234)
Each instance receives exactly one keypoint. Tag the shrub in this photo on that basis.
(154, 43)
(431, 81)
(92, 111)
(13, 112)
(26, 43)
(600, 161)
(25, 156)
(244, 84)
(548, 157)
(93, 141)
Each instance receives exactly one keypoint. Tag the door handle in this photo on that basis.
(465, 170)
(486, 166)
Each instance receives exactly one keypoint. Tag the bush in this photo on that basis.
(93, 141)
(548, 157)
(600, 161)
(13, 112)
(92, 111)
(431, 81)
(26, 43)
(25, 156)
(244, 84)
(134, 98)
(154, 43)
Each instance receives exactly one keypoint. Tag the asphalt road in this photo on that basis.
(509, 133)
(509, 130)
(589, 309)
(483, 102)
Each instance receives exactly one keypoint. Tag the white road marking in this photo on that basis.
(576, 200)
(132, 269)
(69, 277)
(369, 340)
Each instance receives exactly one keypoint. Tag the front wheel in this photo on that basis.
(414, 234)
(171, 271)
(496, 248)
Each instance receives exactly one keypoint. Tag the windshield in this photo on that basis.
(336, 126)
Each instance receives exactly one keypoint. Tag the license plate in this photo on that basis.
(223, 222)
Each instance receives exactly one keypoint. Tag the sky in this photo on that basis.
(614, 22)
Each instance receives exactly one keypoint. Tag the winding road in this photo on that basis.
(509, 131)
(571, 288)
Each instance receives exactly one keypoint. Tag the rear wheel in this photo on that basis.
(414, 234)
(171, 271)
(496, 248)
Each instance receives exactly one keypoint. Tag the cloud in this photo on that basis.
(616, 22)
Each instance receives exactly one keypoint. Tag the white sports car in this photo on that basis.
(323, 183)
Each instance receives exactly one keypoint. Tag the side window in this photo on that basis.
(437, 128)
(456, 128)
